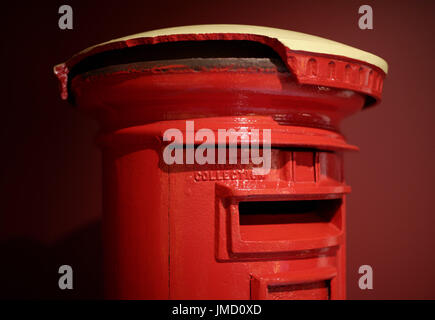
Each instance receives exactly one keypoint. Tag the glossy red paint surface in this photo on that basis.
(217, 231)
(309, 68)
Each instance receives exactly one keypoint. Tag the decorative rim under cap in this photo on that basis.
(313, 60)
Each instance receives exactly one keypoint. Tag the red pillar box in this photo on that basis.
(214, 225)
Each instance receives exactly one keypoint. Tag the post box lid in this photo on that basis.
(290, 45)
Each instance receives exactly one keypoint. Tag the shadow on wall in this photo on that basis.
(29, 270)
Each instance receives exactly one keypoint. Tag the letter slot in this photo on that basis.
(277, 228)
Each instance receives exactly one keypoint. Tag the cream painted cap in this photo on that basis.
(293, 40)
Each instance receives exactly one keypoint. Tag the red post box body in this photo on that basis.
(218, 231)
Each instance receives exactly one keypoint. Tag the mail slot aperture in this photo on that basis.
(289, 220)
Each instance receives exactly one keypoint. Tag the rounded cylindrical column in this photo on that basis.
(208, 225)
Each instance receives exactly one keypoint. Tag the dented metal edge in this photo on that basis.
(286, 53)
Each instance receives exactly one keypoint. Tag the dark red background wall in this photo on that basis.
(50, 188)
